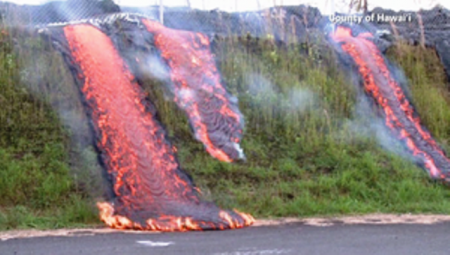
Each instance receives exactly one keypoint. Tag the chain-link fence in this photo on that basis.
(64, 11)
(281, 19)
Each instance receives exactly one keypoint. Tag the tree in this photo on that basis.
(359, 5)
(109, 6)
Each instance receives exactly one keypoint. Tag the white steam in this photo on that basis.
(368, 124)
(156, 68)
(266, 93)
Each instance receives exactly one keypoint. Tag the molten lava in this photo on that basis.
(151, 191)
(399, 114)
(213, 113)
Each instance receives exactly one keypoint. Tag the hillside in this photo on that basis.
(312, 146)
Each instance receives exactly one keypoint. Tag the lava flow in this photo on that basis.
(151, 191)
(213, 113)
(399, 114)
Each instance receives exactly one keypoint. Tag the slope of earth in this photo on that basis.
(310, 144)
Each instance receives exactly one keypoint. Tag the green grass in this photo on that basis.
(429, 88)
(40, 186)
(308, 153)
(311, 161)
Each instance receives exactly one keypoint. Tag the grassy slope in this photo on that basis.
(39, 185)
(311, 161)
(305, 156)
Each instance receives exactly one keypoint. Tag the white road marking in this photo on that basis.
(256, 252)
(155, 244)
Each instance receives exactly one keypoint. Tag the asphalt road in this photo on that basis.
(293, 238)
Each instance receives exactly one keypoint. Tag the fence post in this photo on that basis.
(332, 7)
(161, 12)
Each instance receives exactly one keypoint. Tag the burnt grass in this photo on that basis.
(309, 149)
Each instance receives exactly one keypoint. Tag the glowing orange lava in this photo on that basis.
(215, 118)
(151, 191)
(399, 114)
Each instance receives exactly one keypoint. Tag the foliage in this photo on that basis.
(309, 149)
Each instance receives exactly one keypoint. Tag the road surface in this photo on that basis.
(293, 238)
